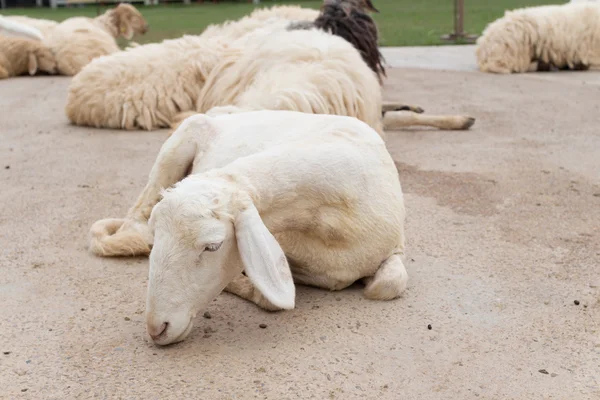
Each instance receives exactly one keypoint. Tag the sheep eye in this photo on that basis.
(213, 246)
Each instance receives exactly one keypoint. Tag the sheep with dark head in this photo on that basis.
(349, 20)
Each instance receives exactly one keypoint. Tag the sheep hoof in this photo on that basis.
(458, 123)
(467, 123)
(389, 281)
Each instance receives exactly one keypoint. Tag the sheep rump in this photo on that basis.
(528, 39)
(19, 56)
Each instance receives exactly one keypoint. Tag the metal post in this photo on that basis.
(459, 25)
(459, 12)
(2, 4)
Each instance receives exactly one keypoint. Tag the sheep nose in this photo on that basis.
(157, 331)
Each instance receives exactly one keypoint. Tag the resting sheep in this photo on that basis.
(539, 38)
(273, 194)
(77, 41)
(45, 26)
(9, 27)
(19, 56)
(267, 67)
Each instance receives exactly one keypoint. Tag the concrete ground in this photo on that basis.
(503, 238)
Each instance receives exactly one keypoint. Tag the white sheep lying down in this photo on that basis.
(14, 28)
(524, 40)
(44, 26)
(276, 194)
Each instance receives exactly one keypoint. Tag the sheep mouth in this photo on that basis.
(166, 339)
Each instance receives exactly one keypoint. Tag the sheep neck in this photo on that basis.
(108, 22)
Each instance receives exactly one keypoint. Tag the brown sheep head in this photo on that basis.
(41, 59)
(129, 21)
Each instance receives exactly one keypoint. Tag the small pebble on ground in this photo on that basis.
(127, 319)
(429, 327)
(262, 326)
(207, 315)
(6, 353)
(7, 167)
(543, 371)
(576, 302)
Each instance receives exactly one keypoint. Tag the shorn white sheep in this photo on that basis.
(282, 196)
(77, 41)
(45, 26)
(254, 63)
(9, 27)
(563, 36)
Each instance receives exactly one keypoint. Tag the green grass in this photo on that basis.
(401, 22)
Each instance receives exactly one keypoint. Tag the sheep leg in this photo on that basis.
(173, 163)
(132, 236)
(395, 120)
(389, 281)
(391, 106)
(3, 73)
(242, 286)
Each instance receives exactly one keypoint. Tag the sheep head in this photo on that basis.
(129, 21)
(41, 59)
(206, 232)
(349, 5)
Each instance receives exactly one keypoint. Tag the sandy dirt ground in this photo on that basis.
(503, 236)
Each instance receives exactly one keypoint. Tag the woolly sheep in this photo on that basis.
(45, 26)
(9, 27)
(19, 56)
(276, 194)
(253, 72)
(77, 41)
(537, 38)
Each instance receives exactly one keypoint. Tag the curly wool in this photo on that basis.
(564, 36)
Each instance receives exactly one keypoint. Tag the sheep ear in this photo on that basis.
(264, 261)
(32, 66)
(347, 8)
(125, 28)
(369, 6)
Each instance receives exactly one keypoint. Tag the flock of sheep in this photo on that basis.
(276, 171)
